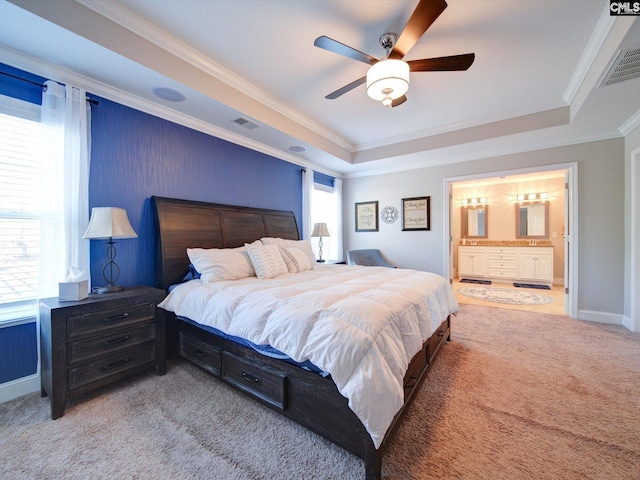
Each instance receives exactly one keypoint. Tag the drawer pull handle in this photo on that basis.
(441, 333)
(250, 378)
(411, 383)
(199, 352)
(115, 341)
(116, 364)
(116, 318)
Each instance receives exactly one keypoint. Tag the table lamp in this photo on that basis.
(320, 230)
(109, 223)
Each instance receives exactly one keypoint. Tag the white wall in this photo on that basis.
(601, 215)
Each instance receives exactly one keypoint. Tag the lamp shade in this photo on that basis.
(320, 230)
(388, 79)
(109, 222)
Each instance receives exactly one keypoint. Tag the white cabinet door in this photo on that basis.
(527, 266)
(544, 268)
(472, 262)
(536, 264)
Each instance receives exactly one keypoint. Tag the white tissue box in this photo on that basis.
(68, 291)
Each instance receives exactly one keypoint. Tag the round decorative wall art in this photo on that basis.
(389, 214)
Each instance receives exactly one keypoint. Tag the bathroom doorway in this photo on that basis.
(498, 202)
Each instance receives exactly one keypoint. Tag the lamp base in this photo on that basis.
(108, 289)
(321, 260)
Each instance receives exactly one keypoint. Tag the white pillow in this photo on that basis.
(216, 264)
(267, 261)
(295, 259)
(304, 245)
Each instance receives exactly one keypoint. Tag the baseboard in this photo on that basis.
(20, 387)
(627, 322)
(601, 317)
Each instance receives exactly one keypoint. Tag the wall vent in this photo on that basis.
(248, 124)
(625, 67)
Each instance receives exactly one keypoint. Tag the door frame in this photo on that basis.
(571, 264)
(634, 237)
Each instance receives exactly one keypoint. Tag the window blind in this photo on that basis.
(20, 205)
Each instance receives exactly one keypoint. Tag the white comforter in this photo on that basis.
(361, 324)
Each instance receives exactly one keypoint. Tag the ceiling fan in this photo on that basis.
(388, 78)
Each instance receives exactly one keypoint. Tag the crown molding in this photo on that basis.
(52, 71)
(598, 37)
(632, 122)
(124, 17)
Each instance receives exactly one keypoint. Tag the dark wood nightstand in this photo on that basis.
(90, 343)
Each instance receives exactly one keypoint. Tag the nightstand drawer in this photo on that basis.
(99, 322)
(110, 343)
(203, 355)
(263, 382)
(111, 365)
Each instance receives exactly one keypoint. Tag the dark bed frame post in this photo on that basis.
(372, 461)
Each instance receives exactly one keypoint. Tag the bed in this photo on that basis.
(305, 386)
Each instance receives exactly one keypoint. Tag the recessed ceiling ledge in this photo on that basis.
(524, 123)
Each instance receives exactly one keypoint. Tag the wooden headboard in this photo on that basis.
(182, 224)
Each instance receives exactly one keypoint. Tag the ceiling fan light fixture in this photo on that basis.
(388, 80)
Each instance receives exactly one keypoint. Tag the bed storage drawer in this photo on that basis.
(436, 339)
(416, 367)
(261, 381)
(204, 355)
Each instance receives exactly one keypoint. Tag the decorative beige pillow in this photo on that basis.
(267, 261)
(216, 264)
(304, 245)
(295, 259)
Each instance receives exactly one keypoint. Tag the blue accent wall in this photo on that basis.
(30, 91)
(135, 155)
(19, 351)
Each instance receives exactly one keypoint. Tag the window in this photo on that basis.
(325, 209)
(20, 206)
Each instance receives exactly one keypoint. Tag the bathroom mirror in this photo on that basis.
(532, 220)
(474, 221)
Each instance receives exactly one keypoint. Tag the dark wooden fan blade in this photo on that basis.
(346, 88)
(398, 101)
(342, 49)
(442, 64)
(421, 19)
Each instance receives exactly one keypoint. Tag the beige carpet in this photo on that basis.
(515, 395)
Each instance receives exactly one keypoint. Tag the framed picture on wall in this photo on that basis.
(416, 213)
(367, 216)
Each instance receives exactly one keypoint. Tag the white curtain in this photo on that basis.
(339, 243)
(66, 148)
(307, 201)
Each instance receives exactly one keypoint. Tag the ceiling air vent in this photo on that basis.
(248, 124)
(625, 67)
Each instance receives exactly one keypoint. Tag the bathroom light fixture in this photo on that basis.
(474, 201)
(532, 196)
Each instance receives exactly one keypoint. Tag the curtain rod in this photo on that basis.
(44, 87)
